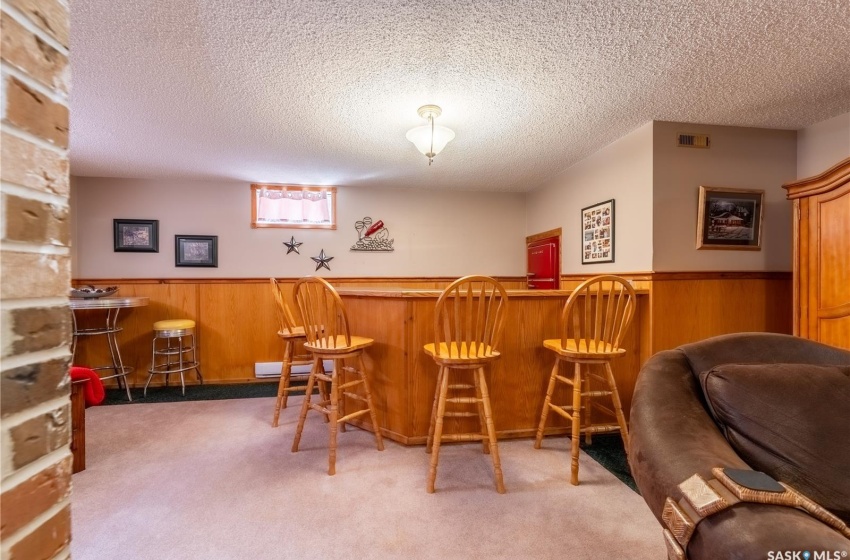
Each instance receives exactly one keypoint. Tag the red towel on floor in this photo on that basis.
(93, 390)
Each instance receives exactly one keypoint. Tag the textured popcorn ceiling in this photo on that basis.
(321, 92)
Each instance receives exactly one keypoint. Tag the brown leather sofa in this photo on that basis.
(674, 435)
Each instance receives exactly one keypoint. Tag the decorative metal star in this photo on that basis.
(322, 260)
(292, 245)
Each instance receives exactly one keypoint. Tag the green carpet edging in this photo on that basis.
(194, 393)
(607, 450)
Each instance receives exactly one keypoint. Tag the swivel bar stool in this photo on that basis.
(469, 319)
(329, 338)
(593, 325)
(293, 337)
(171, 355)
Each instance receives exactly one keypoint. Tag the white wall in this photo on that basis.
(622, 171)
(436, 233)
(439, 233)
(746, 158)
(822, 145)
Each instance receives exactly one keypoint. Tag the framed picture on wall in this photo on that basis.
(293, 206)
(135, 235)
(597, 233)
(730, 218)
(196, 250)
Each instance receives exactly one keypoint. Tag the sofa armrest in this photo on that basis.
(752, 531)
(672, 436)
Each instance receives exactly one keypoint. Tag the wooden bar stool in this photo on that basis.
(293, 339)
(593, 323)
(328, 337)
(468, 324)
(174, 356)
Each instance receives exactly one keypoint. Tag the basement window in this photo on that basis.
(293, 206)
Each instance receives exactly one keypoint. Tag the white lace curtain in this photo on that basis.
(311, 207)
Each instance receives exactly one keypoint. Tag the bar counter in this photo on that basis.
(404, 378)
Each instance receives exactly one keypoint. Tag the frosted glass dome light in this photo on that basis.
(430, 139)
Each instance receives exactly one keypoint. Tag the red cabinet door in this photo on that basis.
(544, 267)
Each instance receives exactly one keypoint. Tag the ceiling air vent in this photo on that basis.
(694, 141)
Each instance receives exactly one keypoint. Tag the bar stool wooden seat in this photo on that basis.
(329, 338)
(174, 356)
(469, 319)
(293, 338)
(593, 324)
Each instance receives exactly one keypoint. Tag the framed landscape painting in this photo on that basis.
(196, 250)
(597, 233)
(730, 218)
(135, 235)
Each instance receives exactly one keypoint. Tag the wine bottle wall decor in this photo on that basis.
(372, 236)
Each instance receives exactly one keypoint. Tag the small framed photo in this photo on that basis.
(730, 218)
(136, 235)
(196, 250)
(597, 229)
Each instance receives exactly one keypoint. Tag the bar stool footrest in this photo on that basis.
(127, 371)
(173, 351)
(165, 368)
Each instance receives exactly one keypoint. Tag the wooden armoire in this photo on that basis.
(822, 255)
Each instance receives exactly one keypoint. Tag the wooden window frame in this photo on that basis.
(256, 187)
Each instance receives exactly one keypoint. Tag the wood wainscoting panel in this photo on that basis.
(235, 318)
(693, 309)
(167, 301)
(238, 328)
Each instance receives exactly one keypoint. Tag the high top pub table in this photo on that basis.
(112, 305)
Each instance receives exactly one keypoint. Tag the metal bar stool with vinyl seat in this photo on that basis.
(293, 338)
(468, 324)
(593, 324)
(329, 338)
(171, 355)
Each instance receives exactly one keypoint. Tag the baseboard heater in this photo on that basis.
(264, 370)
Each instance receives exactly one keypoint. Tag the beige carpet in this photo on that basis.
(212, 479)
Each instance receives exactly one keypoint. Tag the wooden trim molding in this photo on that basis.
(258, 189)
(543, 235)
(833, 177)
(265, 280)
(692, 275)
(722, 275)
(653, 276)
(630, 275)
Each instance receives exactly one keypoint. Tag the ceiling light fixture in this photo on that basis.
(430, 139)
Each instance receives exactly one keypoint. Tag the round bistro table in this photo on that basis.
(112, 305)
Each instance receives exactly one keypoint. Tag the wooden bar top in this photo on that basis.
(434, 294)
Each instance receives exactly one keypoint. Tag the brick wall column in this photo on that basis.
(35, 420)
